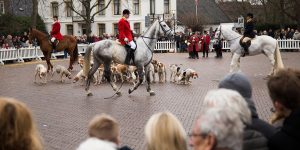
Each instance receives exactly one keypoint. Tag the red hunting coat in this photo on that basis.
(206, 39)
(55, 32)
(124, 31)
(193, 40)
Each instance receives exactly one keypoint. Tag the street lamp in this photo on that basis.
(173, 12)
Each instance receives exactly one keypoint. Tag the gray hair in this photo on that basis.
(225, 98)
(225, 125)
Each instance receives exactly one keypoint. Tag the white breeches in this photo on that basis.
(132, 45)
(53, 39)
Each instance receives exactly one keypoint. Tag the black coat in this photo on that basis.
(249, 27)
(288, 138)
(253, 140)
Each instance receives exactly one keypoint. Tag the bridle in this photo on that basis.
(165, 32)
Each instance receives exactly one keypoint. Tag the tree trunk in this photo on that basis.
(34, 13)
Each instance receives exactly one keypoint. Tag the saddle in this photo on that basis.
(247, 44)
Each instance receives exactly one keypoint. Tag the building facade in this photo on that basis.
(107, 20)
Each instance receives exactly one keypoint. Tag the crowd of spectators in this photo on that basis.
(287, 33)
(228, 121)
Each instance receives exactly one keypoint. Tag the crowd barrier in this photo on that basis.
(36, 53)
(161, 46)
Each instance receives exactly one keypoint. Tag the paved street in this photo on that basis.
(62, 111)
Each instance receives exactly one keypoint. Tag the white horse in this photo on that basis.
(106, 51)
(259, 45)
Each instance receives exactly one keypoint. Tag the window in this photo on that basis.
(136, 7)
(101, 29)
(70, 29)
(116, 28)
(117, 7)
(2, 7)
(55, 9)
(137, 28)
(166, 6)
(152, 7)
(83, 27)
(68, 9)
(101, 5)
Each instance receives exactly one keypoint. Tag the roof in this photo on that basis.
(207, 8)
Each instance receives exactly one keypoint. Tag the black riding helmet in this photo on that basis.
(250, 15)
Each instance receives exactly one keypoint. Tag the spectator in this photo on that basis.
(163, 131)
(239, 82)
(205, 40)
(290, 34)
(104, 133)
(282, 34)
(271, 33)
(218, 47)
(284, 90)
(8, 42)
(17, 128)
(2, 38)
(193, 46)
(229, 99)
(217, 129)
(296, 35)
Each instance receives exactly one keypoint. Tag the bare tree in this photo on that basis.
(34, 13)
(90, 10)
(194, 22)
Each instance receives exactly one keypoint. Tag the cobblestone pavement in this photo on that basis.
(62, 111)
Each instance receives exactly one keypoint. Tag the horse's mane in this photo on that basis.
(38, 32)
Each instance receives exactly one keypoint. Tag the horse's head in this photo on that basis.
(218, 33)
(164, 29)
(30, 35)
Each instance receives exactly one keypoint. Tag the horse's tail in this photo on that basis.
(278, 60)
(75, 53)
(87, 59)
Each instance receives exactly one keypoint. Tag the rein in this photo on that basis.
(223, 35)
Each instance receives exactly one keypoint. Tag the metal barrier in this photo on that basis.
(8, 54)
(165, 46)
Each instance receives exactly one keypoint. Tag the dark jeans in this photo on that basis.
(218, 52)
(205, 50)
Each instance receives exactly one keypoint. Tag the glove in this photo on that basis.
(125, 39)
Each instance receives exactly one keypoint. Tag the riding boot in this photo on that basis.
(54, 46)
(129, 55)
(246, 50)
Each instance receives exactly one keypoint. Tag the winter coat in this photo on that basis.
(193, 40)
(253, 140)
(205, 39)
(97, 144)
(249, 27)
(288, 138)
(124, 31)
(55, 32)
(241, 84)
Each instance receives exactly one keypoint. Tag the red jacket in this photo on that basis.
(124, 31)
(193, 40)
(56, 31)
(205, 39)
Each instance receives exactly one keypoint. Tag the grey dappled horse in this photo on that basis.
(106, 51)
(259, 45)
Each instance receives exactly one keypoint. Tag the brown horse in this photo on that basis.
(68, 43)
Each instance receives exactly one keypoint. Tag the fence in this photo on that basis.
(36, 53)
(283, 44)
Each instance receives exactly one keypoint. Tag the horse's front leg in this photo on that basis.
(108, 76)
(141, 78)
(147, 70)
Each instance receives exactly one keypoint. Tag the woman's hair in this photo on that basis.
(163, 131)
(18, 131)
(229, 99)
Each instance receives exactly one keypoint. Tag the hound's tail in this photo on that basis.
(87, 59)
(278, 60)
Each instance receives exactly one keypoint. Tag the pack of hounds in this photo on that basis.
(121, 73)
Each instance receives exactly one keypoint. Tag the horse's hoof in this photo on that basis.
(119, 93)
(130, 91)
(152, 93)
(89, 94)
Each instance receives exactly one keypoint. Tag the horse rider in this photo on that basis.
(248, 34)
(55, 33)
(126, 36)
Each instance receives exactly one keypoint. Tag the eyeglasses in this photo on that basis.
(195, 135)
